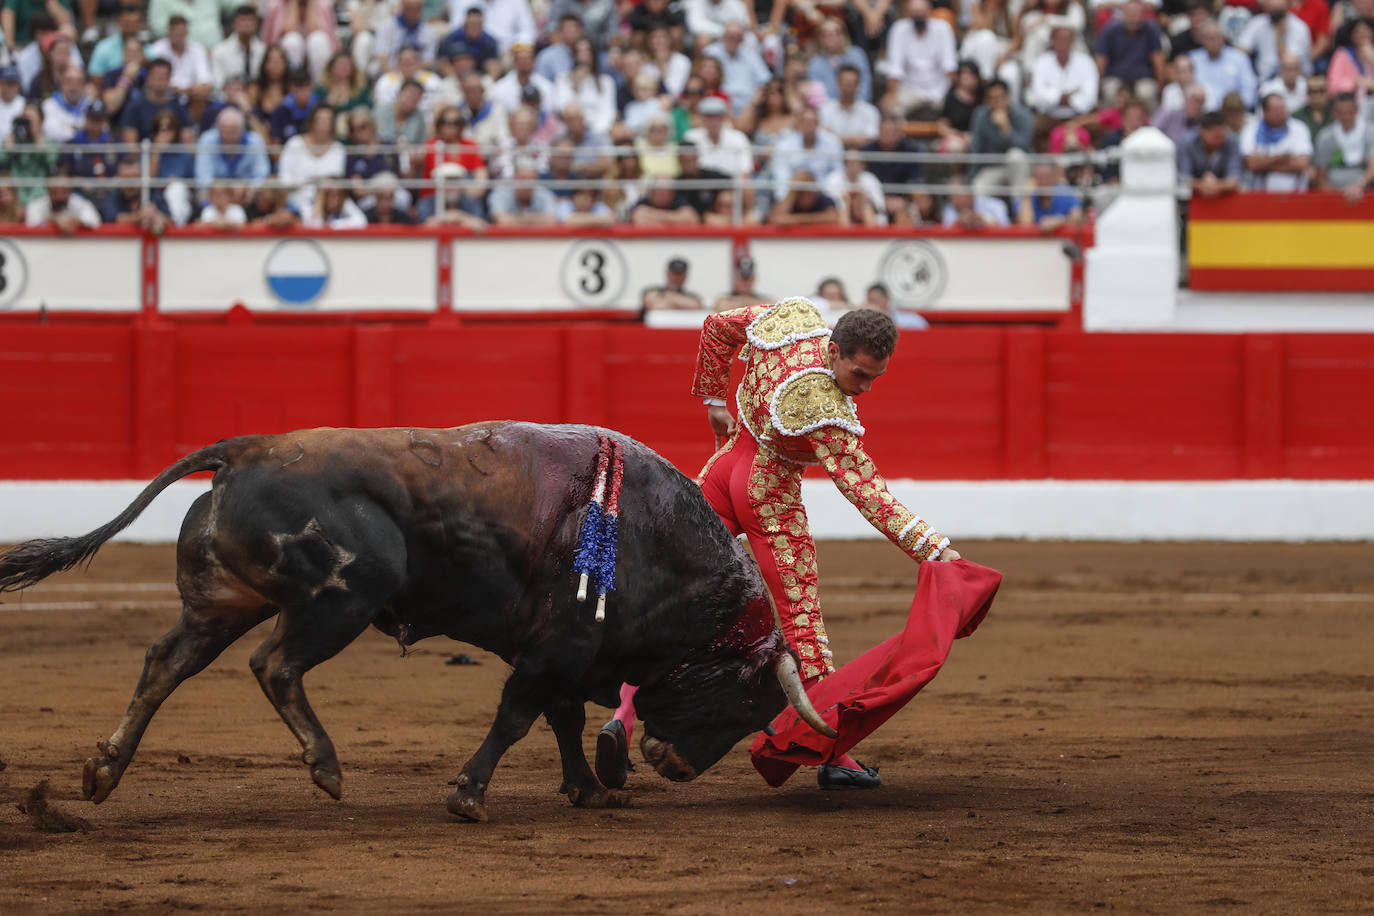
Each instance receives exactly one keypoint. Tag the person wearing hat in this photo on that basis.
(108, 53)
(96, 129)
(11, 100)
(742, 292)
(508, 91)
(1064, 80)
(64, 112)
(720, 146)
(242, 52)
(673, 294)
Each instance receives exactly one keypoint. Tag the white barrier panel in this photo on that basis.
(580, 272)
(1101, 510)
(929, 274)
(59, 274)
(298, 274)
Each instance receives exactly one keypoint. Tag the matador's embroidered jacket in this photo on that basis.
(789, 402)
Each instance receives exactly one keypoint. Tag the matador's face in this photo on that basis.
(856, 373)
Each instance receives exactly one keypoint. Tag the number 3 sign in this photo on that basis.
(14, 273)
(593, 273)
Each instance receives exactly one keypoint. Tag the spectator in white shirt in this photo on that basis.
(508, 21)
(858, 191)
(220, 211)
(1266, 29)
(334, 209)
(721, 147)
(508, 91)
(407, 27)
(1290, 83)
(1064, 80)
(921, 60)
(742, 67)
(310, 156)
(64, 112)
(707, 19)
(189, 59)
(241, 53)
(966, 211)
(808, 147)
(849, 117)
(1277, 149)
(62, 208)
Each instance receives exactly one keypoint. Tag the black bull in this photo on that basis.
(468, 533)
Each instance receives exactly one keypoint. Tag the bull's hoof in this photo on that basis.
(468, 807)
(329, 779)
(99, 778)
(598, 797)
(664, 758)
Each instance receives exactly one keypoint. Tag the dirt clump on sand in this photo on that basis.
(46, 816)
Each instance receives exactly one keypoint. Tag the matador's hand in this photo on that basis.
(949, 555)
(722, 424)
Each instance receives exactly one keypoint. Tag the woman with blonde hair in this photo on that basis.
(343, 86)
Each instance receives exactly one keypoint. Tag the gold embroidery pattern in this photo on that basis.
(810, 400)
(785, 323)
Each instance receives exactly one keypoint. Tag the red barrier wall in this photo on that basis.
(110, 402)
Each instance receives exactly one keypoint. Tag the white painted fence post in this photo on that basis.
(1131, 273)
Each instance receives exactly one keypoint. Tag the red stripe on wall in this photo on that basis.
(1283, 279)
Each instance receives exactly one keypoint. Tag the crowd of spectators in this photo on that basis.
(663, 112)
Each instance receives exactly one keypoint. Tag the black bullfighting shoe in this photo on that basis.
(612, 755)
(834, 776)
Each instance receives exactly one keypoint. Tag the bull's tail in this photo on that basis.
(33, 561)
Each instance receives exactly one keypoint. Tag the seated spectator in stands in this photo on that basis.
(956, 115)
(189, 58)
(848, 116)
(220, 211)
(626, 183)
(124, 204)
(1233, 109)
(1130, 53)
(1001, 127)
(657, 156)
(590, 91)
(1178, 123)
(969, 211)
(307, 31)
(63, 209)
(1316, 113)
(891, 139)
(665, 63)
(1047, 202)
(1183, 43)
(309, 157)
(722, 212)
(809, 147)
(877, 298)
(769, 116)
(858, 192)
(830, 294)
(268, 91)
(96, 130)
(707, 20)
(1290, 83)
(241, 165)
(648, 15)
(343, 86)
(334, 209)
(742, 291)
(1277, 149)
(386, 207)
(1352, 63)
(591, 158)
(293, 113)
(462, 206)
(673, 294)
(267, 207)
(407, 27)
(641, 109)
(488, 123)
(108, 53)
(833, 53)
(1344, 158)
(721, 147)
(1222, 69)
(176, 168)
(28, 154)
(242, 52)
(402, 120)
(527, 204)
(600, 18)
(556, 59)
(804, 205)
(448, 130)
(11, 211)
(743, 69)
(702, 199)
(364, 160)
(1209, 158)
(921, 61)
(472, 38)
(1181, 72)
(521, 144)
(1260, 39)
(409, 66)
(559, 168)
(583, 207)
(64, 112)
(1064, 81)
(11, 100)
(508, 91)
(663, 206)
(1133, 117)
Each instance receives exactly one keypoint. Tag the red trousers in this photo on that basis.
(760, 497)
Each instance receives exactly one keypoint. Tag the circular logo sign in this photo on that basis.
(14, 273)
(914, 272)
(297, 271)
(593, 273)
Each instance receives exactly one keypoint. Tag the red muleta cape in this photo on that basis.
(951, 600)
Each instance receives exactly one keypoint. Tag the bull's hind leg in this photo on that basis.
(304, 637)
(567, 718)
(202, 633)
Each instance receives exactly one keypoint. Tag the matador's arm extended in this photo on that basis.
(842, 455)
(722, 335)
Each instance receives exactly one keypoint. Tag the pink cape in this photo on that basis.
(951, 600)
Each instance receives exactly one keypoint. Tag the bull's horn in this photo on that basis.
(796, 695)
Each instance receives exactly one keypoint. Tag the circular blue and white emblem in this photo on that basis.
(297, 271)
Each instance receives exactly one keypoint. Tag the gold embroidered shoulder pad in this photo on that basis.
(786, 323)
(809, 400)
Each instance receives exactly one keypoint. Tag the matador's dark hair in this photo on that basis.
(865, 329)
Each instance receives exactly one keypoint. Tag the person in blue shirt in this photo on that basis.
(471, 39)
(292, 115)
(146, 104)
(91, 165)
(247, 165)
(1222, 69)
(1047, 202)
(108, 53)
(835, 52)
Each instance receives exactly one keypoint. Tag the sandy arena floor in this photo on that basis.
(1140, 728)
